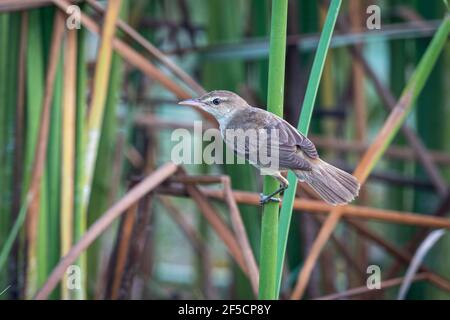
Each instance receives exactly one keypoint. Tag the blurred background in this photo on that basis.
(163, 247)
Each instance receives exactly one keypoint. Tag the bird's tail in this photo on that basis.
(332, 184)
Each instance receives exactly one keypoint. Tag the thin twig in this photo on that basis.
(155, 52)
(316, 206)
(139, 238)
(139, 191)
(236, 219)
(241, 234)
(122, 246)
(401, 256)
(218, 225)
(420, 235)
(390, 103)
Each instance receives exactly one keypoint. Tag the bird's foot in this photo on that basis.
(263, 199)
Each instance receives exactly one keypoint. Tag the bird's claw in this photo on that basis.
(263, 199)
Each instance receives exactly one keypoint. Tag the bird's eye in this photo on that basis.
(216, 101)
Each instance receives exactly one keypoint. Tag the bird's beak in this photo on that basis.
(191, 103)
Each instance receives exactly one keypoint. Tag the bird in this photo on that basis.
(295, 151)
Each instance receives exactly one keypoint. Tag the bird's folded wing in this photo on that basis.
(272, 134)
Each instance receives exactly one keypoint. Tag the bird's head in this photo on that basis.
(219, 103)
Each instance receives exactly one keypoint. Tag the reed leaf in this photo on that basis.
(95, 116)
(303, 127)
(269, 225)
(68, 148)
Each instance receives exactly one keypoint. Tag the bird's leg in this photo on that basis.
(270, 197)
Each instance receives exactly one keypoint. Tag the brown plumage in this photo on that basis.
(295, 151)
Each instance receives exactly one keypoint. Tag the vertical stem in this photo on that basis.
(360, 121)
(269, 229)
(95, 117)
(68, 148)
(303, 127)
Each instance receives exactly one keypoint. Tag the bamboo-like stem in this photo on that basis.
(236, 220)
(95, 116)
(269, 225)
(68, 148)
(104, 185)
(241, 235)
(303, 127)
(380, 144)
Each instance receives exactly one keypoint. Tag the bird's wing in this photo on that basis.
(276, 134)
(302, 142)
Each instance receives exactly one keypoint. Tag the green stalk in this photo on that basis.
(303, 127)
(53, 173)
(269, 225)
(79, 219)
(101, 185)
(35, 91)
(95, 118)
